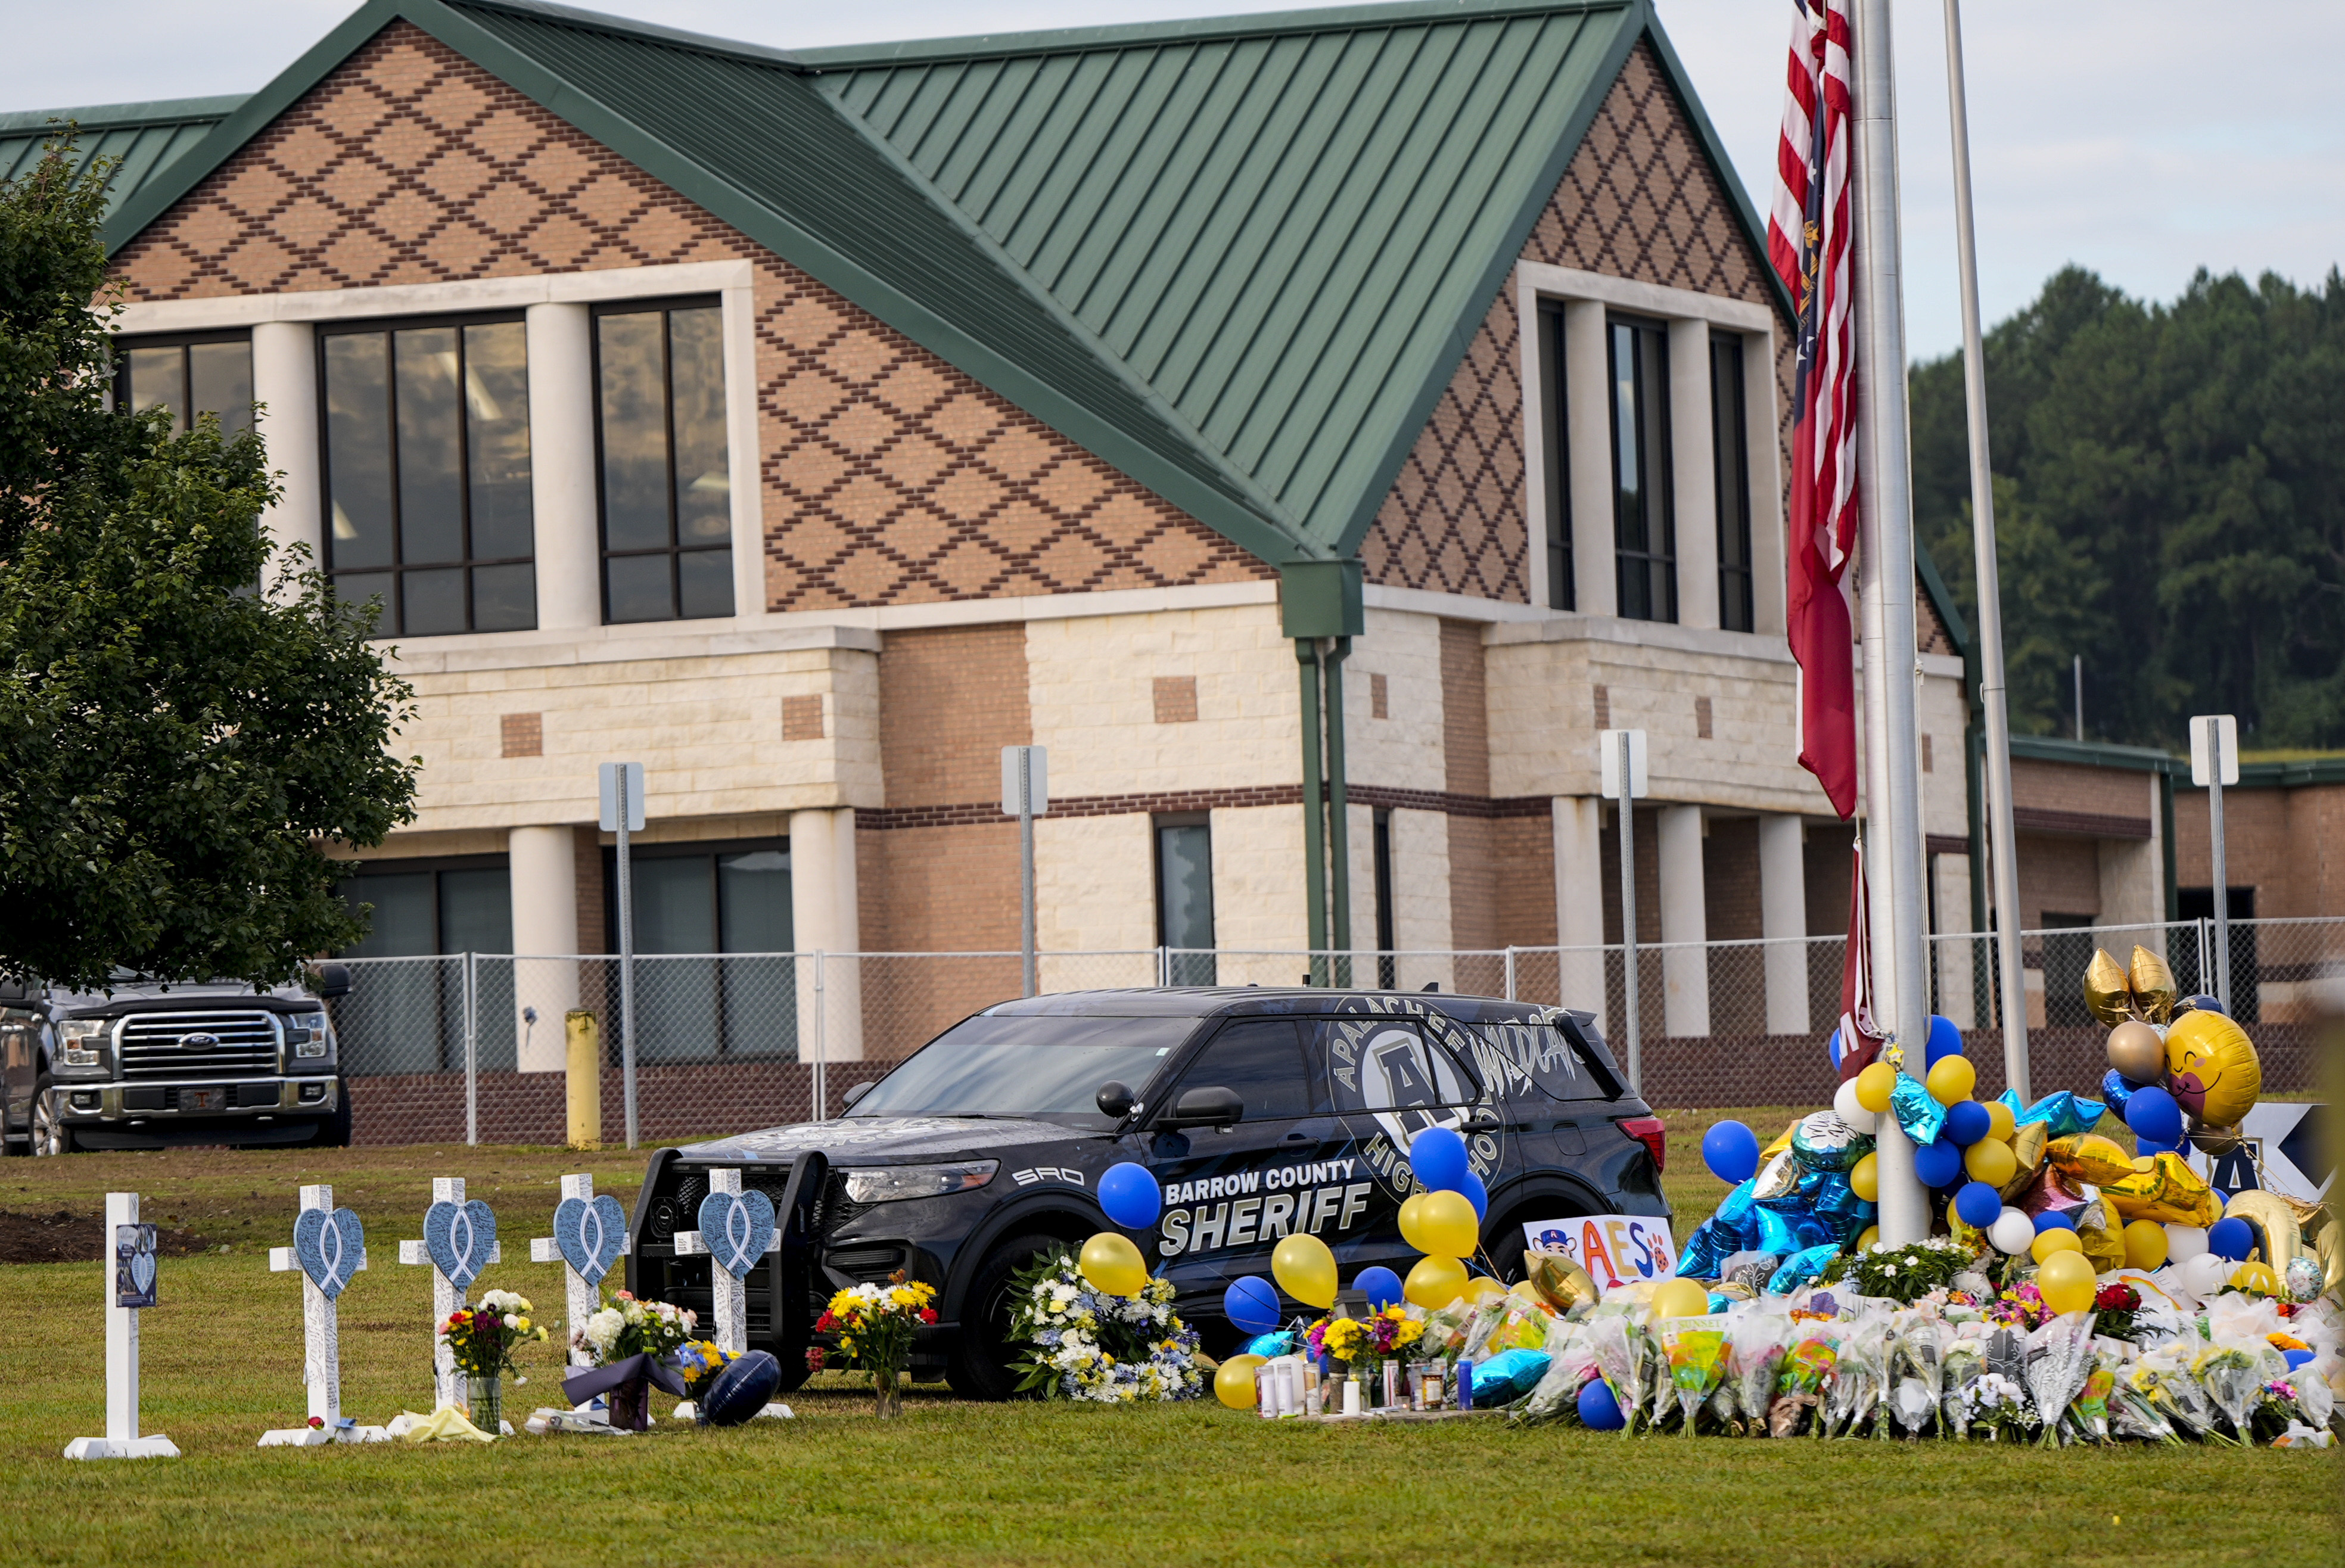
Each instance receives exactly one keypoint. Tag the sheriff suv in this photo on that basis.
(146, 1066)
(1264, 1113)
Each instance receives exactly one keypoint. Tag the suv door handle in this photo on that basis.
(1480, 1124)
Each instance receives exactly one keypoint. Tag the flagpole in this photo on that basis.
(1893, 840)
(2002, 846)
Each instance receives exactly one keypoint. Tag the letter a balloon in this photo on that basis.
(1305, 1270)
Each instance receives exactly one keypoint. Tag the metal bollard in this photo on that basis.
(584, 1085)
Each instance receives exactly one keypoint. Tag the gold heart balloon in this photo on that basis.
(2108, 995)
(2152, 984)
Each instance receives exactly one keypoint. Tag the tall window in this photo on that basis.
(1386, 977)
(729, 906)
(1184, 896)
(667, 501)
(1644, 535)
(1555, 456)
(410, 1016)
(428, 477)
(422, 906)
(1730, 442)
(211, 373)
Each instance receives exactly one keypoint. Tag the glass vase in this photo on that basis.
(487, 1400)
(888, 1393)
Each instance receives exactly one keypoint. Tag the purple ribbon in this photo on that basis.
(580, 1387)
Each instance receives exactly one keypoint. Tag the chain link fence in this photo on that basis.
(472, 1048)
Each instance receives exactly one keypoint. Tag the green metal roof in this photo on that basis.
(146, 137)
(1238, 260)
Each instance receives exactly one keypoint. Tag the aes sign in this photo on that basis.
(1615, 1248)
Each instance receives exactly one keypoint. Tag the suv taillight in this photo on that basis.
(1647, 1130)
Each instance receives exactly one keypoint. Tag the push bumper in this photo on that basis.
(146, 1114)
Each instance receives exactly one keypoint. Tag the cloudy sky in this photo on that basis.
(2101, 135)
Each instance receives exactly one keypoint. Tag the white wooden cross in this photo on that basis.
(322, 1335)
(446, 1296)
(584, 1296)
(732, 1295)
(121, 1439)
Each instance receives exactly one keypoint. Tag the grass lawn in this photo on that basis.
(949, 1482)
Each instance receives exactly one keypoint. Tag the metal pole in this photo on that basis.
(472, 1049)
(1885, 507)
(2003, 843)
(1314, 849)
(2222, 882)
(821, 1044)
(626, 963)
(1628, 924)
(1025, 863)
(1510, 971)
(2080, 671)
(1339, 828)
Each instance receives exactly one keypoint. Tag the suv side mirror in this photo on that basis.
(1212, 1106)
(332, 980)
(1114, 1100)
(856, 1093)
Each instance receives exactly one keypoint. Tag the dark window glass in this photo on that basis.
(994, 1064)
(211, 375)
(1730, 449)
(1644, 537)
(1184, 900)
(725, 908)
(1260, 1061)
(428, 475)
(1555, 454)
(443, 908)
(752, 901)
(667, 501)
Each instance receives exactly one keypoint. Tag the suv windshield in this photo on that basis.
(1018, 1066)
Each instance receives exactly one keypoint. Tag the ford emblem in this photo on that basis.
(199, 1042)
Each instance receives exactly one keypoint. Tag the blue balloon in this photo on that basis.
(1251, 1304)
(2116, 1090)
(740, 1389)
(1599, 1411)
(2198, 1002)
(1438, 1155)
(1730, 1150)
(2232, 1238)
(1832, 1046)
(1979, 1205)
(1477, 1193)
(1131, 1196)
(2052, 1219)
(1946, 1040)
(1967, 1122)
(2296, 1358)
(1938, 1164)
(2151, 1145)
(2155, 1114)
(1381, 1285)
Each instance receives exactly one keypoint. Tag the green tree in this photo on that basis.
(177, 749)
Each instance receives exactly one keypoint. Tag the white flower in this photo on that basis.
(512, 1320)
(1891, 1269)
(603, 1329)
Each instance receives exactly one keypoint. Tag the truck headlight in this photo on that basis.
(887, 1183)
(306, 1032)
(79, 1041)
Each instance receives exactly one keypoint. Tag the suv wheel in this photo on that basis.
(978, 1366)
(50, 1133)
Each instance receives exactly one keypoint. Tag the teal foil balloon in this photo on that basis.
(1915, 1111)
(1802, 1268)
(2063, 1113)
(1737, 1204)
(1775, 1233)
(1825, 1142)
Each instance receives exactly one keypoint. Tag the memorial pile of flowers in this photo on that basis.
(875, 1325)
(1082, 1342)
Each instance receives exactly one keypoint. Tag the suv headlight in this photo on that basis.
(308, 1034)
(887, 1183)
(79, 1041)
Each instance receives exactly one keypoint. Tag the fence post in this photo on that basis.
(2204, 972)
(471, 1049)
(1163, 965)
(821, 1044)
(1510, 971)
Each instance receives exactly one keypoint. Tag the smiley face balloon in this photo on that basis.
(2211, 1068)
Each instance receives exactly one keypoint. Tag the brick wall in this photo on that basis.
(2289, 845)
(587, 858)
(2062, 875)
(949, 699)
(1474, 918)
(1524, 850)
(1648, 877)
(2103, 796)
(1730, 879)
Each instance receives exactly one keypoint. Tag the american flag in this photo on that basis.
(1808, 244)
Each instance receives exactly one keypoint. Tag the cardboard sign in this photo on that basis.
(134, 1265)
(1615, 1248)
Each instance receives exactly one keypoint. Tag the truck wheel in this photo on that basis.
(334, 1131)
(978, 1366)
(50, 1133)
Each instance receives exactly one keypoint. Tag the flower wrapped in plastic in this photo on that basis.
(1756, 1343)
(1999, 1404)
(1083, 1344)
(2060, 1357)
(1800, 1382)
(2088, 1416)
(1695, 1348)
(1619, 1358)
(1917, 1370)
(1859, 1390)
(1570, 1364)
(2164, 1381)
(2232, 1373)
(2131, 1413)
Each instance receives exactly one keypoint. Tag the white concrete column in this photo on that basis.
(1784, 917)
(285, 383)
(1580, 903)
(825, 916)
(1957, 955)
(563, 490)
(544, 870)
(1764, 439)
(1420, 878)
(1588, 404)
(1685, 971)
(1693, 474)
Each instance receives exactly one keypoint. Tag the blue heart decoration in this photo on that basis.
(330, 1245)
(590, 1236)
(737, 1227)
(142, 1271)
(460, 1237)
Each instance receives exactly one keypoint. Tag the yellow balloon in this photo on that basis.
(2050, 1241)
(2256, 1277)
(2144, 1244)
(1680, 1298)
(2065, 1280)
(1873, 1086)
(1112, 1263)
(1872, 1234)
(1436, 1281)
(1234, 1382)
(1305, 1270)
(1991, 1162)
(1864, 1178)
(1481, 1288)
(1951, 1079)
(2000, 1122)
(1412, 1222)
(1450, 1225)
(2212, 1068)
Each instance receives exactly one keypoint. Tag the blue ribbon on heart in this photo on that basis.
(329, 1244)
(737, 1227)
(590, 1236)
(142, 1271)
(458, 1237)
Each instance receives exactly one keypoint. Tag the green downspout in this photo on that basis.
(1314, 849)
(1339, 837)
(2166, 823)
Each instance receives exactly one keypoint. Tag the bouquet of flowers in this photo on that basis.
(1860, 1381)
(2020, 1307)
(2114, 1308)
(700, 1361)
(1366, 1342)
(1997, 1404)
(1915, 1369)
(2233, 1377)
(1903, 1273)
(2060, 1358)
(1695, 1350)
(1084, 1344)
(1798, 1384)
(1612, 1344)
(2167, 1387)
(875, 1325)
(2088, 1416)
(1755, 1345)
(625, 1327)
(1964, 1364)
(481, 1337)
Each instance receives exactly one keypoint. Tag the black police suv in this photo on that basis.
(1264, 1113)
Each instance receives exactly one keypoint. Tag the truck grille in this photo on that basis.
(243, 1045)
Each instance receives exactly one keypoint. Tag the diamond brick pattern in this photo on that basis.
(1639, 200)
(890, 478)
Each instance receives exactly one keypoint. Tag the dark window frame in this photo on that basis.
(1644, 535)
(1189, 967)
(394, 623)
(709, 849)
(1729, 432)
(435, 865)
(123, 346)
(1555, 456)
(674, 549)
